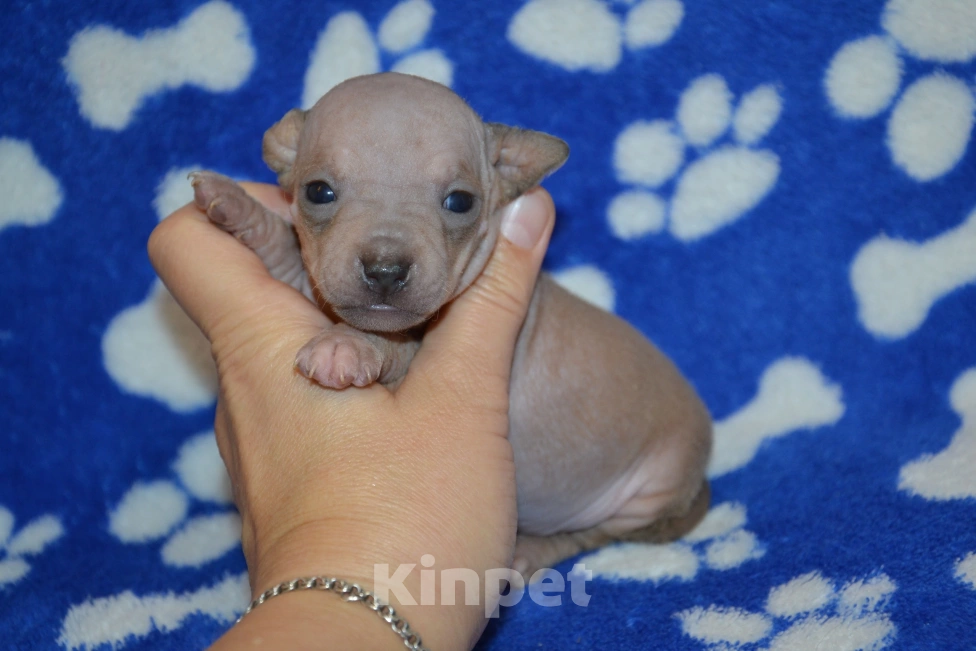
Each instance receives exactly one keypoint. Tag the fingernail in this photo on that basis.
(524, 221)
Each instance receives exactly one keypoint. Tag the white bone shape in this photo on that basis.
(897, 282)
(949, 474)
(793, 395)
(113, 73)
(119, 618)
(153, 349)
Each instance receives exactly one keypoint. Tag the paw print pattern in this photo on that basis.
(930, 125)
(347, 48)
(29, 541)
(32, 195)
(804, 614)
(589, 34)
(153, 510)
(719, 542)
(722, 184)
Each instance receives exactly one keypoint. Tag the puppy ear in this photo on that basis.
(280, 146)
(522, 158)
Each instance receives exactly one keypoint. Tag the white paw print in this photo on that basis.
(720, 186)
(930, 125)
(805, 614)
(153, 510)
(589, 34)
(720, 542)
(32, 195)
(347, 48)
(29, 541)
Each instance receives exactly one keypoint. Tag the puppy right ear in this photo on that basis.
(280, 146)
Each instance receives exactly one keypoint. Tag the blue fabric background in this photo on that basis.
(774, 283)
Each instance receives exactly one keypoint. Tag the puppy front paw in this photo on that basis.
(221, 198)
(340, 357)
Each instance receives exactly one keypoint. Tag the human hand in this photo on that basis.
(333, 482)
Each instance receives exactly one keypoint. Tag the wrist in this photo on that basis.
(303, 619)
(327, 549)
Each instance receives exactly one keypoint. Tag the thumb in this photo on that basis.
(480, 327)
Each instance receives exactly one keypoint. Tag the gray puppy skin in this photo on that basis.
(397, 189)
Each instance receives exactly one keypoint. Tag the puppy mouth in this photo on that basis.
(379, 317)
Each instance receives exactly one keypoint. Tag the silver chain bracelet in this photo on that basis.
(349, 592)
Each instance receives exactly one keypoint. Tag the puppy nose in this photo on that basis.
(386, 277)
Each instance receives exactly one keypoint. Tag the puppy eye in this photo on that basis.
(459, 201)
(319, 192)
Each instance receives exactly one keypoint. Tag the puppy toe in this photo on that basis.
(207, 186)
(365, 377)
(345, 364)
(314, 361)
(226, 210)
(337, 359)
(210, 189)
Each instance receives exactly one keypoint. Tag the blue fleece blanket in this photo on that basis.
(781, 194)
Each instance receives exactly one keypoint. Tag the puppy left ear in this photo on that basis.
(280, 146)
(522, 158)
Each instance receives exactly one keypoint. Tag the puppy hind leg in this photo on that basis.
(673, 526)
(270, 237)
(535, 552)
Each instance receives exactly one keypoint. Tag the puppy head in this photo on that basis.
(397, 188)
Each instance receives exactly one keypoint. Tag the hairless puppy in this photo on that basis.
(396, 190)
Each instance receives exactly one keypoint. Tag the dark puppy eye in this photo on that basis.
(319, 192)
(459, 201)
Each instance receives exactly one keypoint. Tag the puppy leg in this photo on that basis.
(262, 231)
(535, 552)
(342, 356)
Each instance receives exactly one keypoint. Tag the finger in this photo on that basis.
(218, 281)
(479, 329)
